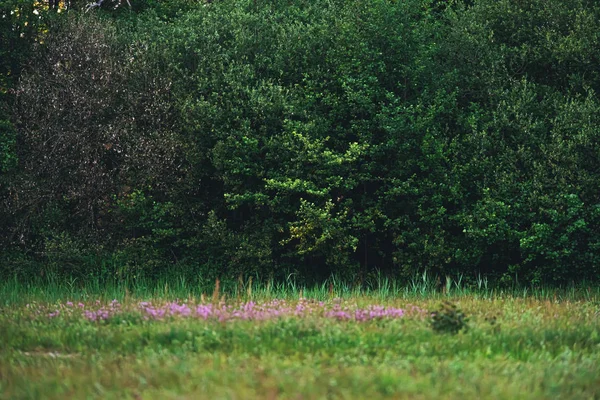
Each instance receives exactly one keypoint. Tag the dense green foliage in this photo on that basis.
(306, 138)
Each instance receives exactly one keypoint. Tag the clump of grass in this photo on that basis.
(448, 319)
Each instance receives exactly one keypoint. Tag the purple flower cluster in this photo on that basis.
(102, 313)
(223, 312)
(68, 309)
(251, 311)
(270, 310)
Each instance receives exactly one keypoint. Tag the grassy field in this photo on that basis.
(172, 342)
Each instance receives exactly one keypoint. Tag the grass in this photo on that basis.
(534, 344)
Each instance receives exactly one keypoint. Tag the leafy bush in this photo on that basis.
(448, 319)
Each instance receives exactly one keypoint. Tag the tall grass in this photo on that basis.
(52, 288)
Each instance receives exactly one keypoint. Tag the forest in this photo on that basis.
(299, 199)
(300, 140)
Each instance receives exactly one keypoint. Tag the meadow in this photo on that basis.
(172, 341)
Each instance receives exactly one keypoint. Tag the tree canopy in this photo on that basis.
(269, 138)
